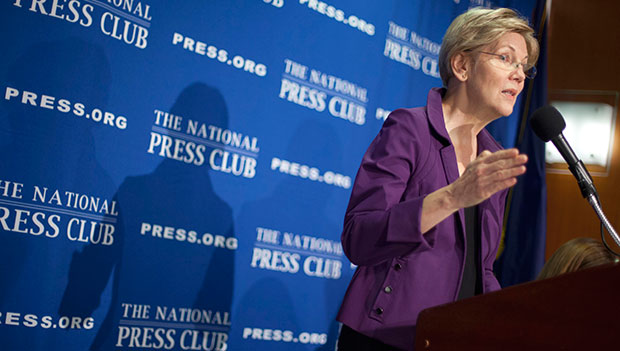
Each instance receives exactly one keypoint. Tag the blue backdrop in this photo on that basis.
(174, 175)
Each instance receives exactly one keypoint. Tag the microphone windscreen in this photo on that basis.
(547, 122)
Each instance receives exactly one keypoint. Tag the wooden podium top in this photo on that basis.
(574, 311)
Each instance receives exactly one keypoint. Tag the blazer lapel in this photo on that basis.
(448, 160)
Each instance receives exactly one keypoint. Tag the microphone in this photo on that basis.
(548, 124)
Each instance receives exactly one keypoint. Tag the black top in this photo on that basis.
(350, 340)
(472, 281)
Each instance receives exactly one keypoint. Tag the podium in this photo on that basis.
(574, 311)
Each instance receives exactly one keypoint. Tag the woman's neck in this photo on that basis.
(463, 126)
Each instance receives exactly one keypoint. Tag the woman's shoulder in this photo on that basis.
(411, 118)
(406, 126)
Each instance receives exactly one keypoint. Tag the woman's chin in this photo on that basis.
(506, 111)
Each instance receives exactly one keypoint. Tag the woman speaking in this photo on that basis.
(425, 215)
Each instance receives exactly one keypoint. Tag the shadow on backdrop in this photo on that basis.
(167, 269)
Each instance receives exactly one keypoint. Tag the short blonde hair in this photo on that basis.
(574, 255)
(479, 27)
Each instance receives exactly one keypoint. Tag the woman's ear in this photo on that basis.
(460, 66)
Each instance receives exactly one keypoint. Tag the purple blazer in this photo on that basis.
(401, 271)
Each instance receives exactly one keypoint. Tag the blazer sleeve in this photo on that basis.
(378, 225)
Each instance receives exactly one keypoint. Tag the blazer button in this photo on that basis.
(398, 266)
(379, 310)
(388, 289)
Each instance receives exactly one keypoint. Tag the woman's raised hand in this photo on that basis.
(486, 175)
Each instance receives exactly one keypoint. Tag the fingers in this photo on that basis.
(488, 162)
(508, 154)
(504, 184)
(505, 174)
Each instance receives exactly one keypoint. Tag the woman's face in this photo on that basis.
(495, 84)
